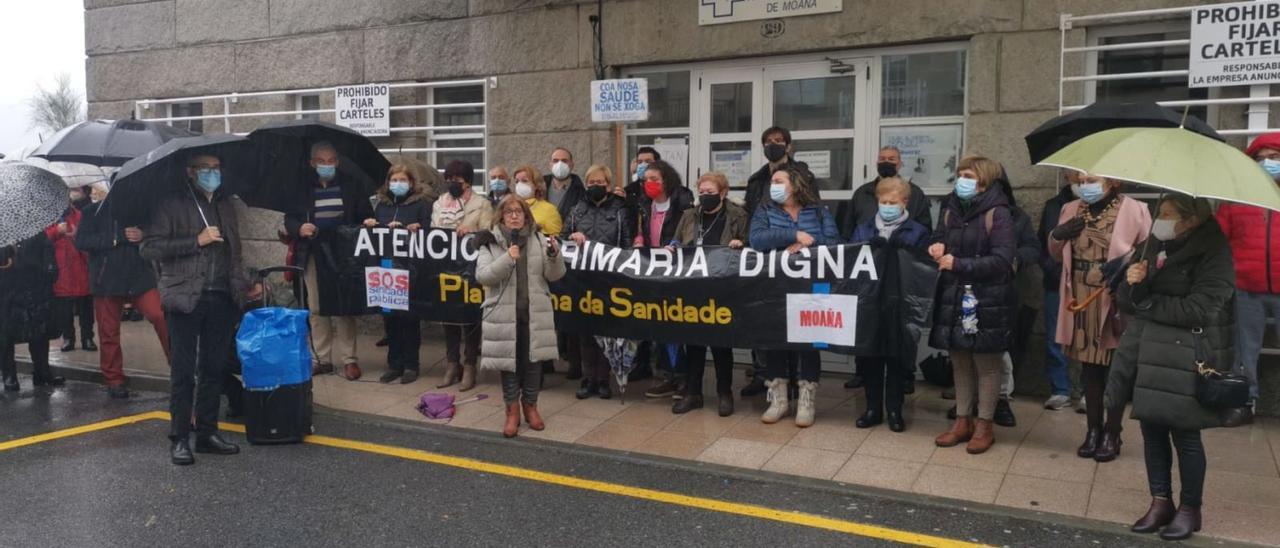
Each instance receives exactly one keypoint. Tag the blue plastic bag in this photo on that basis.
(273, 346)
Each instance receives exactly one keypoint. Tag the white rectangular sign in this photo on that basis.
(714, 12)
(386, 288)
(819, 162)
(1235, 45)
(624, 100)
(822, 318)
(365, 108)
(734, 164)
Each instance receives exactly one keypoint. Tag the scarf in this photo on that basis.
(886, 228)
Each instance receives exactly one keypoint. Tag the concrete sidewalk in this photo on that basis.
(1032, 466)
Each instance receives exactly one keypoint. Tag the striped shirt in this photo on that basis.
(328, 207)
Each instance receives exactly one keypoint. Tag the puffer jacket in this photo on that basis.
(414, 208)
(773, 228)
(735, 219)
(73, 264)
(984, 258)
(680, 200)
(610, 223)
(116, 268)
(495, 270)
(1254, 234)
(477, 212)
(170, 242)
(863, 207)
(1155, 364)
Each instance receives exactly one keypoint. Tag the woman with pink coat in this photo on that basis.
(1100, 226)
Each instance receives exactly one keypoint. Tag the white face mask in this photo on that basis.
(524, 190)
(560, 170)
(1163, 229)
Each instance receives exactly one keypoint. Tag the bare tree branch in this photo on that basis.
(57, 108)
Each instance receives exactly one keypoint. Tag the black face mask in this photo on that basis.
(709, 202)
(456, 190)
(887, 169)
(597, 192)
(775, 152)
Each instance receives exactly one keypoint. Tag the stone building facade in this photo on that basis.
(993, 77)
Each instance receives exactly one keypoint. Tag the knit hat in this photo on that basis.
(460, 168)
(1270, 140)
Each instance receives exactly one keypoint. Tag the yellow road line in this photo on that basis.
(748, 510)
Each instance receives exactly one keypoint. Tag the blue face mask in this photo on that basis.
(966, 188)
(1272, 167)
(326, 172)
(209, 179)
(498, 186)
(640, 169)
(1091, 192)
(778, 193)
(399, 188)
(890, 213)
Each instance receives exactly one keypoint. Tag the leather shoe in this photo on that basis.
(409, 376)
(755, 388)
(118, 392)
(895, 421)
(1185, 522)
(89, 345)
(1004, 414)
(909, 385)
(689, 403)
(1108, 448)
(725, 404)
(389, 376)
(180, 453)
(1238, 416)
(1090, 445)
(47, 378)
(321, 369)
(854, 382)
(1158, 515)
(68, 345)
(214, 444)
(11, 383)
(351, 371)
(603, 390)
(585, 389)
(869, 419)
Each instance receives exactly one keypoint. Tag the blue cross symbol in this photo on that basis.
(717, 5)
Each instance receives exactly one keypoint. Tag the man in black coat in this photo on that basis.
(1056, 365)
(118, 275)
(862, 207)
(332, 201)
(564, 187)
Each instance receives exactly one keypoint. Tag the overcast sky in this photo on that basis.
(38, 40)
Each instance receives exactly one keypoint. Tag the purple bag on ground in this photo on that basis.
(441, 405)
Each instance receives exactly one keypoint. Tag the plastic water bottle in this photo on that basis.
(969, 311)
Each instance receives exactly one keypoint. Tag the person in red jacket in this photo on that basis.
(71, 296)
(1254, 233)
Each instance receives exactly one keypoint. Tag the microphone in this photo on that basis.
(551, 250)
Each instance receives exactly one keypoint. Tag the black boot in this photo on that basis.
(755, 388)
(68, 345)
(871, 418)
(585, 389)
(1158, 515)
(180, 453)
(726, 404)
(214, 443)
(895, 420)
(687, 404)
(1090, 445)
(43, 376)
(88, 344)
(854, 382)
(603, 390)
(1109, 447)
(1185, 522)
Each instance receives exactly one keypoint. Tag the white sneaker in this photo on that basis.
(804, 409)
(1057, 401)
(1080, 406)
(777, 396)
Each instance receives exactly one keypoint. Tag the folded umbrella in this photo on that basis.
(107, 143)
(1173, 159)
(1059, 132)
(147, 180)
(31, 199)
(284, 149)
(621, 354)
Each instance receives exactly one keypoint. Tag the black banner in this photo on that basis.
(823, 297)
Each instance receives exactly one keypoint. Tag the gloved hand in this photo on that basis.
(1068, 230)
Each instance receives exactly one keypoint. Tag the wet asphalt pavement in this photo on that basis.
(115, 487)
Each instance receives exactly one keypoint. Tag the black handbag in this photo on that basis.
(1215, 389)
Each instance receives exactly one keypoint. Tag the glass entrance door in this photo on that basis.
(824, 106)
(730, 119)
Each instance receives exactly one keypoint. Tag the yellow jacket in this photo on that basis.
(546, 216)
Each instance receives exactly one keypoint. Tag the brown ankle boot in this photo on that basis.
(532, 417)
(1158, 515)
(983, 437)
(960, 432)
(452, 373)
(468, 377)
(513, 420)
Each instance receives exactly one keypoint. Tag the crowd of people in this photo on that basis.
(1123, 292)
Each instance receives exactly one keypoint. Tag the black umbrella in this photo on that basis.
(146, 180)
(285, 152)
(1059, 132)
(30, 199)
(107, 143)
